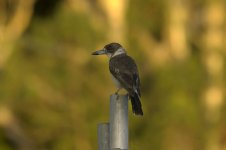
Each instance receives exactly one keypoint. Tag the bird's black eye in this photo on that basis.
(109, 48)
(112, 47)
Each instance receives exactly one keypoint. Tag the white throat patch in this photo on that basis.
(119, 51)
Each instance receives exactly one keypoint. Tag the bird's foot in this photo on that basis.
(116, 93)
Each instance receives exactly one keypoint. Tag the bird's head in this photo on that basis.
(111, 50)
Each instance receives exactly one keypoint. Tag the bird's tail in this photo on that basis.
(136, 104)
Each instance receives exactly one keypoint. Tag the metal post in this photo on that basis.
(119, 122)
(103, 136)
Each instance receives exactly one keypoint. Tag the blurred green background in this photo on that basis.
(53, 92)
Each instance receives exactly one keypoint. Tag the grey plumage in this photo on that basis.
(124, 70)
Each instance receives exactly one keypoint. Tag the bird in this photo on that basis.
(124, 72)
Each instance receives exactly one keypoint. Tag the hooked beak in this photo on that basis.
(99, 52)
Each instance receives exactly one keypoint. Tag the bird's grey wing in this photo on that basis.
(127, 74)
(137, 83)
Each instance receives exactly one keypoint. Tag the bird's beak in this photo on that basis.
(99, 52)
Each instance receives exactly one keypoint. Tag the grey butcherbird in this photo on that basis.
(124, 72)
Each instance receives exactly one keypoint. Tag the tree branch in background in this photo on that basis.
(177, 35)
(214, 64)
(12, 28)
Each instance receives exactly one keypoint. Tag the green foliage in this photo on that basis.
(58, 93)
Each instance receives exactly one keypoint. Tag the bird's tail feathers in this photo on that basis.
(136, 104)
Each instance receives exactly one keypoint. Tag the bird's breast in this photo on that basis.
(116, 82)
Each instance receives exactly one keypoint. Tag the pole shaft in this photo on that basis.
(119, 121)
(103, 136)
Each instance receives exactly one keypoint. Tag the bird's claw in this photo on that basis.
(117, 95)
